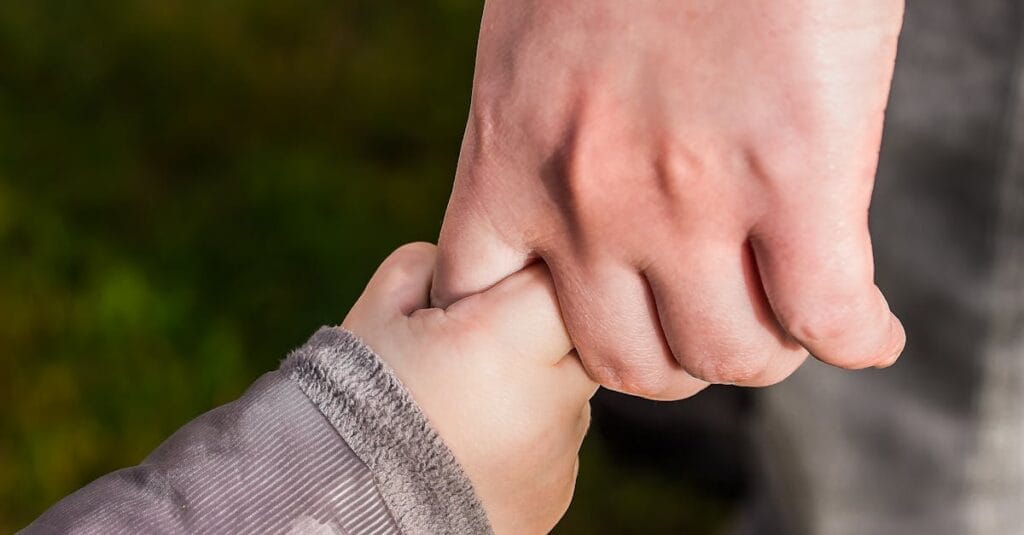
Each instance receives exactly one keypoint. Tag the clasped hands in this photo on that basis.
(653, 196)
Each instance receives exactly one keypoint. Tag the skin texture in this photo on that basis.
(495, 375)
(696, 175)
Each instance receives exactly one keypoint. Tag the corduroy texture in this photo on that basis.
(423, 485)
(268, 462)
(330, 443)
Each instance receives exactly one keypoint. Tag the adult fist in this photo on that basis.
(696, 174)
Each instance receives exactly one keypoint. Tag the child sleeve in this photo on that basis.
(329, 443)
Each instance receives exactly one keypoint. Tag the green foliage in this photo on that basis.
(187, 190)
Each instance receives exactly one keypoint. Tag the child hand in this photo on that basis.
(496, 376)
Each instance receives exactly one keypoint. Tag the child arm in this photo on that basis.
(473, 418)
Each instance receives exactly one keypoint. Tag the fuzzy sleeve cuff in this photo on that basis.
(422, 484)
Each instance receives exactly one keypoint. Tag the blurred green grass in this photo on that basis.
(188, 189)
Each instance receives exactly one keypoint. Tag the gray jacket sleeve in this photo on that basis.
(329, 443)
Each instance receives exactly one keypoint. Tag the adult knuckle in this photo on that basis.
(781, 364)
(728, 367)
(681, 172)
(839, 336)
(630, 380)
(821, 327)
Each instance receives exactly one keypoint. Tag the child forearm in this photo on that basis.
(331, 441)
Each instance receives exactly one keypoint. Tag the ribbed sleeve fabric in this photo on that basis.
(278, 460)
(424, 486)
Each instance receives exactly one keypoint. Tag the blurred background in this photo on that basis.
(188, 189)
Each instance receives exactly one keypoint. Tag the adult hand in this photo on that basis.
(695, 173)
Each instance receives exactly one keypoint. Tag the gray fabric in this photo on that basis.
(270, 462)
(266, 463)
(934, 445)
(421, 481)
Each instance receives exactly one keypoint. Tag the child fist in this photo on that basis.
(496, 376)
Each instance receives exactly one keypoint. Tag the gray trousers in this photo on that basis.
(935, 444)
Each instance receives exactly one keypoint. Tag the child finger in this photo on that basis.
(521, 315)
(401, 285)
